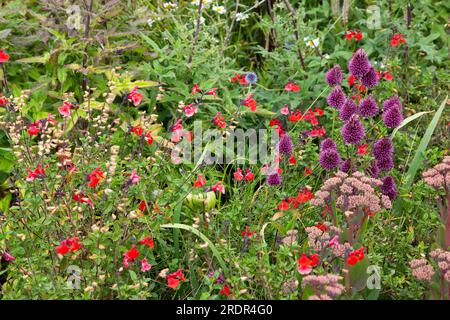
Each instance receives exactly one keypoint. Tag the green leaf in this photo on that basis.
(408, 120)
(418, 156)
(204, 238)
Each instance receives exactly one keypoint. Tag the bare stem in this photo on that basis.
(230, 29)
(294, 23)
(197, 32)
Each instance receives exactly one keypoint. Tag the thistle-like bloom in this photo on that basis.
(382, 151)
(251, 78)
(389, 188)
(329, 159)
(393, 116)
(274, 179)
(334, 76)
(285, 145)
(347, 110)
(373, 169)
(359, 65)
(370, 79)
(336, 98)
(347, 166)
(392, 101)
(353, 131)
(328, 143)
(368, 107)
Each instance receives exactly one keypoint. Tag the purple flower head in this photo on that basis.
(385, 164)
(368, 107)
(353, 131)
(373, 169)
(285, 145)
(329, 159)
(251, 77)
(347, 165)
(392, 101)
(370, 79)
(8, 257)
(336, 98)
(382, 149)
(359, 65)
(328, 143)
(347, 110)
(334, 76)
(393, 116)
(389, 188)
(274, 179)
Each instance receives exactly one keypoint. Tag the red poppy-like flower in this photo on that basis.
(4, 57)
(284, 205)
(236, 78)
(132, 254)
(319, 112)
(397, 39)
(247, 233)
(64, 110)
(218, 120)
(387, 76)
(33, 130)
(142, 205)
(351, 80)
(292, 86)
(195, 88)
(177, 131)
(218, 187)
(212, 92)
(38, 173)
(358, 35)
(274, 122)
(200, 181)
(362, 149)
(305, 264)
(310, 117)
(249, 176)
(148, 242)
(67, 245)
(317, 132)
(95, 176)
(292, 160)
(225, 291)
(307, 171)
(173, 279)
(79, 197)
(190, 110)
(137, 130)
(135, 96)
(3, 100)
(355, 256)
(349, 35)
(295, 116)
(149, 138)
(250, 102)
(238, 176)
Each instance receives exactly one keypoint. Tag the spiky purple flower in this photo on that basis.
(328, 143)
(347, 110)
(336, 98)
(373, 169)
(390, 102)
(329, 159)
(347, 165)
(382, 151)
(393, 117)
(368, 107)
(334, 76)
(389, 188)
(285, 145)
(353, 130)
(385, 164)
(274, 179)
(359, 65)
(370, 79)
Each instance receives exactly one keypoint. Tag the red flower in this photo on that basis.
(137, 130)
(190, 110)
(397, 39)
(67, 245)
(225, 291)
(238, 176)
(307, 171)
(63, 248)
(247, 233)
(249, 176)
(321, 226)
(38, 173)
(292, 86)
(349, 35)
(250, 102)
(358, 35)
(3, 100)
(64, 110)
(307, 263)
(218, 187)
(317, 132)
(218, 120)
(4, 57)
(149, 138)
(310, 117)
(132, 254)
(135, 96)
(195, 89)
(95, 177)
(319, 112)
(274, 122)
(33, 130)
(212, 91)
(200, 181)
(142, 205)
(79, 197)
(284, 205)
(174, 278)
(292, 160)
(362, 149)
(295, 116)
(148, 242)
(355, 256)
(351, 80)
(237, 77)
(387, 76)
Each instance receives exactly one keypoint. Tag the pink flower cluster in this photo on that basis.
(320, 240)
(442, 259)
(325, 287)
(422, 270)
(439, 175)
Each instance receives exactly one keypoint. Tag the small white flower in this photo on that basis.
(205, 3)
(170, 5)
(241, 16)
(310, 42)
(219, 9)
(326, 56)
(150, 22)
